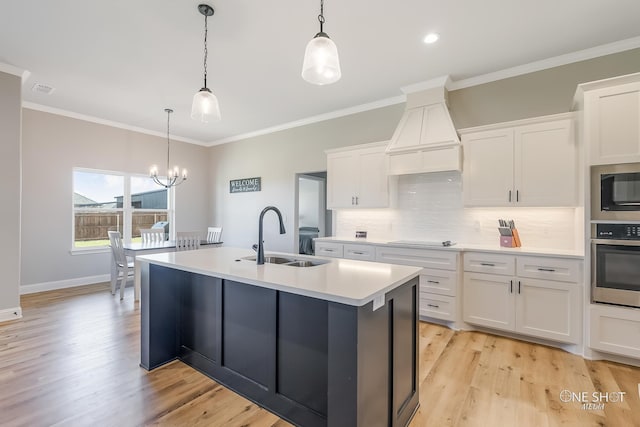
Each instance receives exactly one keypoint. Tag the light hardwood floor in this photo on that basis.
(73, 361)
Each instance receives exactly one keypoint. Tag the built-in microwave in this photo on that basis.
(615, 192)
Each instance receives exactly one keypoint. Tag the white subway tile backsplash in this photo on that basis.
(430, 207)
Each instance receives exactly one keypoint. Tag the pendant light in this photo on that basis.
(173, 176)
(321, 64)
(205, 106)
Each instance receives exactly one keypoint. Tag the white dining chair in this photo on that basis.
(187, 241)
(152, 235)
(124, 268)
(214, 234)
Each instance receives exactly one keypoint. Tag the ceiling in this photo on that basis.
(125, 61)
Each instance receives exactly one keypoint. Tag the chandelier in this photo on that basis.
(173, 176)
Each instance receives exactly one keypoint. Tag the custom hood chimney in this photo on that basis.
(425, 139)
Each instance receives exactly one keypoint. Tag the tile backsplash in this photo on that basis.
(430, 207)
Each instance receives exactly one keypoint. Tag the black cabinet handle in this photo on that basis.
(433, 305)
(551, 270)
(519, 286)
(509, 195)
(517, 195)
(433, 281)
(510, 286)
(328, 250)
(487, 264)
(358, 253)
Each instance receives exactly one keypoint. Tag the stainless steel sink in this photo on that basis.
(271, 259)
(293, 262)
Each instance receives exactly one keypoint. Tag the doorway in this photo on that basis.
(312, 218)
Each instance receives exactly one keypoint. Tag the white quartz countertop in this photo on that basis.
(343, 281)
(459, 247)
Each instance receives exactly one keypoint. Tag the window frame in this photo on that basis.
(126, 209)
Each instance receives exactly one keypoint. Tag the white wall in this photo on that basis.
(430, 207)
(52, 146)
(10, 184)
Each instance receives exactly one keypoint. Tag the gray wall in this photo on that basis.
(535, 94)
(10, 123)
(52, 146)
(278, 156)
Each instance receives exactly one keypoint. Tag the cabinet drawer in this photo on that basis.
(615, 330)
(362, 252)
(437, 306)
(565, 270)
(445, 260)
(329, 249)
(442, 282)
(481, 262)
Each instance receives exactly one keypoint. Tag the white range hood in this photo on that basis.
(425, 139)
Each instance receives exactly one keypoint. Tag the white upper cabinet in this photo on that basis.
(357, 177)
(612, 124)
(525, 165)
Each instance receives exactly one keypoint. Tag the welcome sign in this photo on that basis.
(245, 185)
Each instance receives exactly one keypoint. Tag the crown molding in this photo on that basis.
(314, 119)
(544, 64)
(97, 120)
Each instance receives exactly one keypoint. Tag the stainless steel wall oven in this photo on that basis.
(615, 264)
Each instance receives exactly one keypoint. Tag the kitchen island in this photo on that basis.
(333, 344)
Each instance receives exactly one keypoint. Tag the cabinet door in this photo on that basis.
(342, 178)
(488, 168)
(488, 300)
(373, 189)
(612, 118)
(549, 309)
(546, 158)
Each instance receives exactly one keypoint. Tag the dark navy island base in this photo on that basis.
(310, 361)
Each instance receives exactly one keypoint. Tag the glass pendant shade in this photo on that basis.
(205, 106)
(321, 64)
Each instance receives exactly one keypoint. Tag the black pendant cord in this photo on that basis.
(206, 52)
(168, 144)
(321, 16)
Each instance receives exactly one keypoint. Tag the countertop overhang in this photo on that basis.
(343, 281)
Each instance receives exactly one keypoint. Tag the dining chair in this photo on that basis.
(125, 268)
(152, 235)
(187, 240)
(214, 234)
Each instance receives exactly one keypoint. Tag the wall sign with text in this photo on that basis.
(245, 185)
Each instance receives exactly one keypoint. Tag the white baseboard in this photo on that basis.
(10, 314)
(62, 284)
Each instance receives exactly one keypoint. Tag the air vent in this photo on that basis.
(41, 88)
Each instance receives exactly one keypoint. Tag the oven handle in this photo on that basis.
(615, 242)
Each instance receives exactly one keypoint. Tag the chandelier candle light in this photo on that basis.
(173, 176)
(205, 106)
(321, 64)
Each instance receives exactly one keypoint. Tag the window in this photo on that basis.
(113, 201)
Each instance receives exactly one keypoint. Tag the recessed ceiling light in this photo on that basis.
(431, 38)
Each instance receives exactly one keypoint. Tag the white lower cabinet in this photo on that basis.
(329, 249)
(438, 278)
(539, 306)
(615, 330)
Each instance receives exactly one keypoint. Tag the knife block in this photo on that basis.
(506, 241)
(511, 241)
